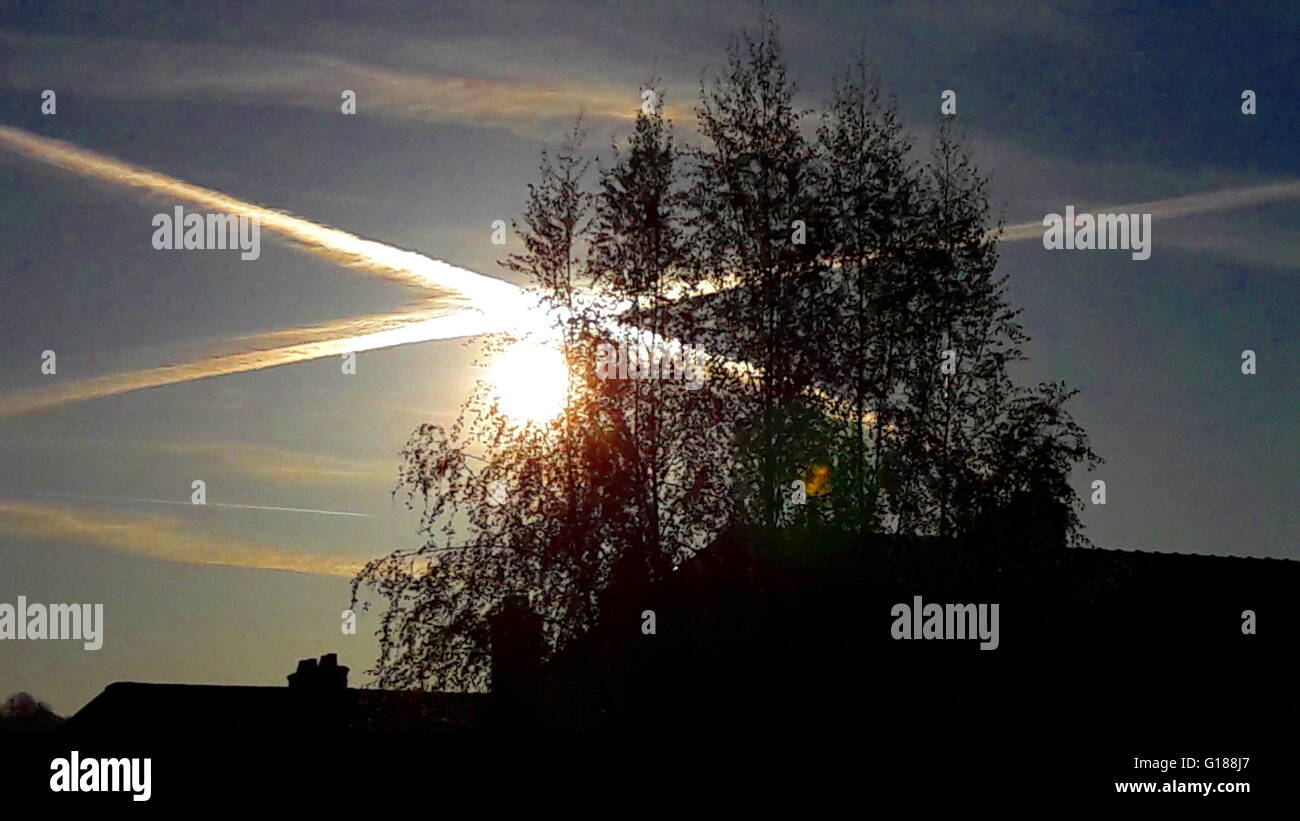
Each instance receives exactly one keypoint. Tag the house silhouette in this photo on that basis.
(788, 633)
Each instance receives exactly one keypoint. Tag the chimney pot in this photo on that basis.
(327, 675)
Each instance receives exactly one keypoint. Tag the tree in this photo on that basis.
(23, 713)
(609, 494)
(509, 508)
(760, 233)
(870, 187)
(855, 335)
(640, 259)
(957, 403)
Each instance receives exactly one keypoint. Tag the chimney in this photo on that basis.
(330, 675)
(327, 675)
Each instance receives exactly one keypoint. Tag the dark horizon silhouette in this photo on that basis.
(752, 621)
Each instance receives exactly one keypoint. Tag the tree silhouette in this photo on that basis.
(857, 340)
(621, 485)
(21, 712)
(508, 508)
(640, 258)
(758, 213)
(870, 187)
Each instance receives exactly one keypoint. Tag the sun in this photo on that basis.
(529, 382)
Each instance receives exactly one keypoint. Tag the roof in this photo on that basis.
(134, 707)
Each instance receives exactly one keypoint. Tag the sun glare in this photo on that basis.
(529, 381)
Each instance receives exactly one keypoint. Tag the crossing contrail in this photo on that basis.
(463, 302)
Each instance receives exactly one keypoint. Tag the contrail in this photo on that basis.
(191, 504)
(331, 339)
(159, 538)
(500, 305)
(1173, 207)
(486, 304)
(407, 267)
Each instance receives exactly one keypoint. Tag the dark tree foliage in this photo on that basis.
(640, 262)
(759, 212)
(872, 190)
(23, 713)
(510, 508)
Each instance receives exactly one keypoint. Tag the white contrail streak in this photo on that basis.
(159, 537)
(332, 339)
(191, 504)
(487, 304)
(280, 77)
(499, 305)
(1173, 207)
(407, 267)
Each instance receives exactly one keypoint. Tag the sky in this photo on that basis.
(1090, 105)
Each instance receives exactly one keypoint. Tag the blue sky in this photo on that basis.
(1090, 105)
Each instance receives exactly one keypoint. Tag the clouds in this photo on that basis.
(275, 466)
(280, 465)
(142, 69)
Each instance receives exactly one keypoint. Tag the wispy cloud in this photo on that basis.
(279, 465)
(144, 69)
(276, 465)
(157, 537)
